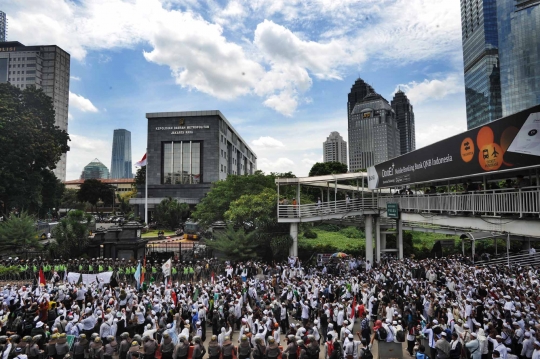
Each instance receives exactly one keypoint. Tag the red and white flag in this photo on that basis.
(142, 162)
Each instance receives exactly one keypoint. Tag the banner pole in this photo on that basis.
(146, 191)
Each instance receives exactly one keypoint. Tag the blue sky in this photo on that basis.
(279, 70)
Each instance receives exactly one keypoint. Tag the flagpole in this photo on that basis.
(146, 191)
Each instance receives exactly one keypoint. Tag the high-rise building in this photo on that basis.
(45, 67)
(405, 122)
(481, 61)
(359, 90)
(121, 165)
(335, 148)
(374, 131)
(95, 170)
(519, 53)
(3, 26)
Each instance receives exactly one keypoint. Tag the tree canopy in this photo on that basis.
(238, 244)
(327, 168)
(93, 190)
(249, 203)
(71, 235)
(169, 213)
(31, 145)
(18, 234)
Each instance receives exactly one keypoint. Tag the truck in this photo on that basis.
(192, 230)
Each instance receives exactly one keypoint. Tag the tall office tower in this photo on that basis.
(405, 122)
(45, 67)
(121, 164)
(335, 148)
(374, 129)
(519, 52)
(95, 170)
(481, 61)
(359, 91)
(3, 26)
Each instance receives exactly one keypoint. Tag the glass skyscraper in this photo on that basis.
(3, 26)
(519, 52)
(121, 163)
(481, 61)
(405, 122)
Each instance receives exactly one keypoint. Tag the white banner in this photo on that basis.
(88, 278)
(166, 267)
(104, 277)
(73, 278)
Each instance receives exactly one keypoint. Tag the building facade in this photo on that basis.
(46, 67)
(359, 90)
(405, 122)
(3, 27)
(519, 52)
(481, 61)
(121, 162)
(335, 149)
(95, 170)
(187, 152)
(373, 126)
(121, 185)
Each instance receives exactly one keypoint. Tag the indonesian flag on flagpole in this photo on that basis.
(142, 162)
(42, 281)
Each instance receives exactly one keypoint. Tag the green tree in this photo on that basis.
(52, 192)
(93, 190)
(71, 235)
(216, 202)
(31, 145)
(258, 210)
(238, 244)
(169, 213)
(70, 200)
(18, 234)
(140, 176)
(327, 168)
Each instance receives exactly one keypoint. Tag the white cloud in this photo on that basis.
(281, 164)
(81, 103)
(267, 142)
(308, 161)
(75, 78)
(82, 151)
(419, 92)
(70, 117)
(268, 59)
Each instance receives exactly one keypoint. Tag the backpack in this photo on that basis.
(400, 336)
(330, 347)
(381, 334)
(366, 354)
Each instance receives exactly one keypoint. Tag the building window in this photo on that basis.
(181, 162)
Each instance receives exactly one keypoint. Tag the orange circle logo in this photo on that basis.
(484, 137)
(491, 157)
(467, 149)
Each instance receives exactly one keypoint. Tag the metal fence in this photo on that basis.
(342, 207)
(493, 202)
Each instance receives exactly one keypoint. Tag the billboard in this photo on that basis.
(511, 142)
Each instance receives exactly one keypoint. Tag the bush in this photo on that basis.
(328, 227)
(310, 234)
(352, 232)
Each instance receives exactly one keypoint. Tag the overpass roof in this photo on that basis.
(325, 179)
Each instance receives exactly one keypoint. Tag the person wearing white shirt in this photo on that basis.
(528, 346)
(536, 352)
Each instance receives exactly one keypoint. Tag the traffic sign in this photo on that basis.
(392, 210)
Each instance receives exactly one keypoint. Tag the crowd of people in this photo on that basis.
(442, 309)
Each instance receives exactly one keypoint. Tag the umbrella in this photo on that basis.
(340, 255)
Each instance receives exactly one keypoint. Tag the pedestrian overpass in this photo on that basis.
(512, 211)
